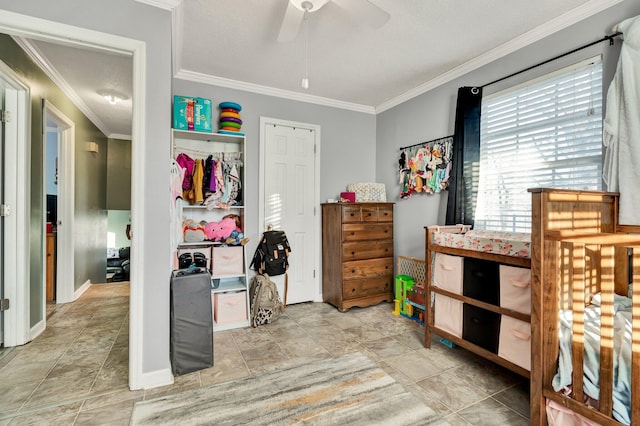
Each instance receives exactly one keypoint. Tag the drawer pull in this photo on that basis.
(369, 214)
(386, 231)
(353, 233)
(386, 267)
(446, 267)
(521, 284)
(520, 335)
(353, 253)
(353, 271)
(353, 214)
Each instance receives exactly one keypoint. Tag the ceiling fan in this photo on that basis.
(362, 10)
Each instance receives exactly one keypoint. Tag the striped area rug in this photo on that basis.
(350, 389)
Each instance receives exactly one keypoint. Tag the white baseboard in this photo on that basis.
(79, 292)
(157, 378)
(35, 331)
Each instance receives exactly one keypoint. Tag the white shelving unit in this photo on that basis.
(227, 286)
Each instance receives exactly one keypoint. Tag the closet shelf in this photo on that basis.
(208, 137)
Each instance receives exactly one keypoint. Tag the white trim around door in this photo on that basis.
(264, 122)
(16, 224)
(55, 32)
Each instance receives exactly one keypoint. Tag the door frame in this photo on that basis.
(55, 32)
(16, 236)
(265, 121)
(65, 244)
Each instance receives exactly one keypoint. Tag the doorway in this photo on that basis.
(14, 326)
(26, 26)
(289, 196)
(64, 129)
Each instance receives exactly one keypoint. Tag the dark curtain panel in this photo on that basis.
(463, 181)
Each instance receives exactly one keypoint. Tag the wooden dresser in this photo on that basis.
(357, 254)
(51, 267)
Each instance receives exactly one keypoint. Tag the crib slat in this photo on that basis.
(607, 287)
(577, 350)
(635, 340)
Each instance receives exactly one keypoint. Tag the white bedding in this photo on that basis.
(622, 355)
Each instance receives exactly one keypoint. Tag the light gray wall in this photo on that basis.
(118, 174)
(432, 114)
(346, 146)
(151, 25)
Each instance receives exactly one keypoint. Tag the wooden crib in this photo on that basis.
(577, 250)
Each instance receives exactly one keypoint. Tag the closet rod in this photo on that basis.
(605, 38)
(424, 143)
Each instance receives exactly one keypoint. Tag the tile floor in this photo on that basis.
(75, 373)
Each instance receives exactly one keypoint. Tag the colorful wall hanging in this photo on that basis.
(425, 167)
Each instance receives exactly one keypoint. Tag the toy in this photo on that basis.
(192, 232)
(237, 236)
(219, 231)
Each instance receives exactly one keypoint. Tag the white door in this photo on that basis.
(289, 201)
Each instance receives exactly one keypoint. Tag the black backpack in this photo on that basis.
(271, 256)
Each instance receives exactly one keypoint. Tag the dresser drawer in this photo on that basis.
(369, 213)
(385, 214)
(367, 268)
(367, 287)
(367, 231)
(351, 214)
(367, 250)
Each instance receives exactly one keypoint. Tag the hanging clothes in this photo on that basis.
(621, 171)
(198, 175)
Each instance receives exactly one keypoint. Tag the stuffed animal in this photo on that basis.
(219, 231)
(237, 236)
(192, 231)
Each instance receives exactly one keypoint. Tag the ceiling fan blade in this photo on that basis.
(290, 23)
(365, 11)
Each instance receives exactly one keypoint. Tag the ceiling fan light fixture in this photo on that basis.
(305, 78)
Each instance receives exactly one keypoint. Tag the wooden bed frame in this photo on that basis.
(578, 248)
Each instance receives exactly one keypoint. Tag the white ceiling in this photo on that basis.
(234, 43)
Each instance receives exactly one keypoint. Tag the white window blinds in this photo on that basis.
(546, 133)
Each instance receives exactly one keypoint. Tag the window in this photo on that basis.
(546, 133)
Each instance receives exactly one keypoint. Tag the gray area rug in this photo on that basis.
(349, 390)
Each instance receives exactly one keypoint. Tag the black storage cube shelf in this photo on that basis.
(481, 327)
(481, 280)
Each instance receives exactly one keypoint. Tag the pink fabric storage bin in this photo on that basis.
(448, 314)
(515, 342)
(515, 288)
(228, 261)
(447, 272)
(229, 307)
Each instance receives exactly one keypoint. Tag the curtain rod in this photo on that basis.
(424, 143)
(605, 38)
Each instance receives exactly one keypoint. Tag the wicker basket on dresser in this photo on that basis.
(357, 254)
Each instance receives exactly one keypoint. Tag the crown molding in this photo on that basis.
(43, 63)
(270, 91)
(162, 4)
(119, 136)
(559, 23)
